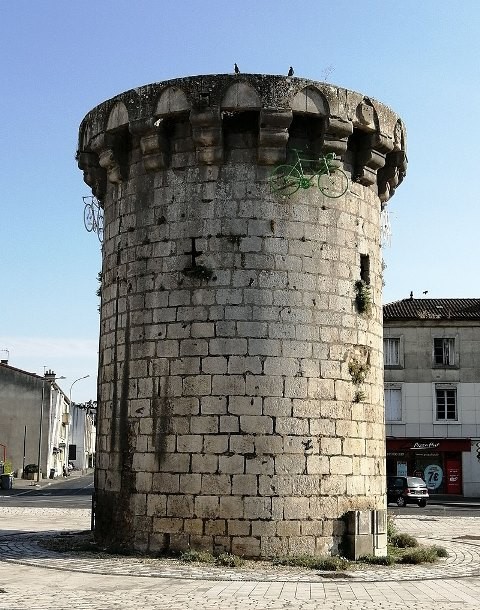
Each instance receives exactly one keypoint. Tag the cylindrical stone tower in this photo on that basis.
(240, 402)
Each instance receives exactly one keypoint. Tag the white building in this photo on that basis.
(81, 441)
(432, 392)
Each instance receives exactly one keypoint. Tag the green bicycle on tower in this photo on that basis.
(331, 180)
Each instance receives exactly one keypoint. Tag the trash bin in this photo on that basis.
(6, 481)
(52, 473)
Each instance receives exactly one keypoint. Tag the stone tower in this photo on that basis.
(240, 402)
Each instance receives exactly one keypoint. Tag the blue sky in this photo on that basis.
(59, 59)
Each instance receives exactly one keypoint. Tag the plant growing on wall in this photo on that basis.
(98, 292)
(359, 396)
(358, 371)
(363, 298)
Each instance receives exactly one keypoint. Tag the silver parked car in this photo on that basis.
(407, 490)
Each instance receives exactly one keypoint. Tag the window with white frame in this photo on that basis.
(446, 403)
(444, 351)
(391, 351)
(393, 404)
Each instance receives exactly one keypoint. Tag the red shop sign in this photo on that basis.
(428, 444)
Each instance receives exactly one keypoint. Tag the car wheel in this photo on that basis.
(401, 501)
(422, 503)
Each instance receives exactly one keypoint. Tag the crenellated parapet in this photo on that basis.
(202, 120)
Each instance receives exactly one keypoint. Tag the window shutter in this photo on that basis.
(393, 404)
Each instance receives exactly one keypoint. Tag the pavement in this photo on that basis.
(34, 578)
(25, 484)
(450, 500)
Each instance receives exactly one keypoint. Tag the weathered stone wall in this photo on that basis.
(240, 390)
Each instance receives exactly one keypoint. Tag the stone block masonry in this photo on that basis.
(239, 399)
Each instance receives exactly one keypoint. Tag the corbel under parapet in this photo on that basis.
(392, 174)
(108, 147)
(273, 136)
(337, 133)
(153, 142)
(207, 135)
(93, 175)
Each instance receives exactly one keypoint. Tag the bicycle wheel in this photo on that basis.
(89, 217)
(333, 184)
(284, 180)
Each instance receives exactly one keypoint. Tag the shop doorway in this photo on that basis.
(453, 468)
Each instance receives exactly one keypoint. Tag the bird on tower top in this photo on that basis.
(290, 71)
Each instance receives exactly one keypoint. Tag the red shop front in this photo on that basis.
(436, 460)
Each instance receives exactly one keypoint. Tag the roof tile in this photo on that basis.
(432, 309)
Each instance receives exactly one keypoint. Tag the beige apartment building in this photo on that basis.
(432, 392)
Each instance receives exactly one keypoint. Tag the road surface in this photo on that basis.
(71, 492)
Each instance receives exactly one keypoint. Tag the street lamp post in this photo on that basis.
(51, 380)
(67, 448)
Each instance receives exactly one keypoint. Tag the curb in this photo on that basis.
(447, 503)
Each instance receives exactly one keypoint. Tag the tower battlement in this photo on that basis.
(213, 113)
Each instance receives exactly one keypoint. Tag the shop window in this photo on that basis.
(391, 351)
(444, 351)
(446, 403)
(393, 404)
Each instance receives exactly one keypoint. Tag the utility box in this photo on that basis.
(366, 533)
(6, 481)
